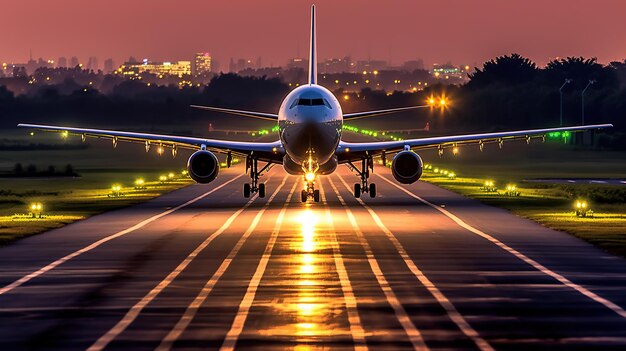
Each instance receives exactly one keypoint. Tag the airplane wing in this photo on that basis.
(253, 114)
(271, 151)
(365, 114)
(355, 151)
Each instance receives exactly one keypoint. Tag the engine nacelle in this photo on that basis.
(406, 167)
(203, 166)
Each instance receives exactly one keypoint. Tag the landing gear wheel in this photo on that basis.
(304, 195)
(357, 190)
(262, 190)
(316, 195)
(246, 190)
(372, 190)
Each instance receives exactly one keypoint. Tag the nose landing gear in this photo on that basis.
(367, 164)
(310, 191)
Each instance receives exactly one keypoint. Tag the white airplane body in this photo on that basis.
(310, 121)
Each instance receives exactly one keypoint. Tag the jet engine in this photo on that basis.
(406, 167)
(203, 166)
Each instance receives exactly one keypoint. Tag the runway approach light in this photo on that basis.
(511, 190)
(36, 209)
(489, 186)
(163, 178)
(170, 175)
(582, 209)
(451, 175)
(140, 184)
(184, 172)
(116, 190)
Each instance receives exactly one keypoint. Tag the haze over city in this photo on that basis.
(464, 32)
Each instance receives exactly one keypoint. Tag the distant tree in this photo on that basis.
(31, 169)
(51, 170)
(507, 69)
(18, 169)
(69, 170)
(581, 70)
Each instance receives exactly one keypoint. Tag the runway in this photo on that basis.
(418, 268)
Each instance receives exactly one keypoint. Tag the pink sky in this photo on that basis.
(464, 32)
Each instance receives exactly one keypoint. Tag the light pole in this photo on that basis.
(582, 95)
(567, 81)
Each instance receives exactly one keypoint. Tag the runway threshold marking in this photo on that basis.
(246, 303)
(168, 342)
(543, 269)
(94, 245)
(356, 328)
(407, 324)
(136, 309)
(447, 305)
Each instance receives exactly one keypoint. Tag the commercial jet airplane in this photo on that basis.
(310, 122)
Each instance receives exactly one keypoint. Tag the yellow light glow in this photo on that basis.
(455, 150)
(431, 101)
(310, 176)
(346, 97)
(442, 102)
(375, 72)
(170, 175)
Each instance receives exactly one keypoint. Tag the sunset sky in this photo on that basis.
(464, 32)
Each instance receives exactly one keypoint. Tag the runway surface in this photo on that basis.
(417, 267)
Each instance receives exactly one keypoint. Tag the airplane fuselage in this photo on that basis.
(310, 121)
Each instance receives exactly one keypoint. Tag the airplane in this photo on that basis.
(310, 121)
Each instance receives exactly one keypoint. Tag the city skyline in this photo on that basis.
(397, 32)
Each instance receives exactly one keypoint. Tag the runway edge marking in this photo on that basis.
(411, 330)
(563, 280)
(356, 328)
(94, 245)
(246, 303)
(192, 309)
(447, 305)
(136, 309)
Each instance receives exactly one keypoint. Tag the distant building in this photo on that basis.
(336, 65)
(178, 68)
(446, 71)
(371, 65)
(108, 66)
(92, 63)
(298, 62)
(62, 63)
(202, 63)
(74, 62)
(412, 65)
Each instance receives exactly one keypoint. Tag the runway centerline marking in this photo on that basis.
(543, 269)
(94, 245)
(246, 303)
(447, 305)
(136, 309)
(407, 324)
(356, 328)
(192, 309)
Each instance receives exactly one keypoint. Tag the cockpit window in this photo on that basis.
(310, 102)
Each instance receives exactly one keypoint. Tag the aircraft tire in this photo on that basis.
(372, 190)
(357, 190)
(304, 195)
(262, 190)
(246, 190)
(316, 195)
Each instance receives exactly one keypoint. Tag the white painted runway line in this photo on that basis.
(94, 245)
(415, 336)
(447, 305)
(230, 341)
(136, 309)
(543, 269)
(356, 328)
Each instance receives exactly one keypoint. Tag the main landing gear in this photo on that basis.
(367, 164)
(252, 164)
(310, 191)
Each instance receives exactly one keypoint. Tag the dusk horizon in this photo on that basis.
(435, 32)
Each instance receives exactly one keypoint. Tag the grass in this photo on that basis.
(66, 200)
(552, 205)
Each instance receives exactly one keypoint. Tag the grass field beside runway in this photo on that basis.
(552, 205)
(66, 200)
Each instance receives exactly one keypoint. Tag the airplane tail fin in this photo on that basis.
(313, 51)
